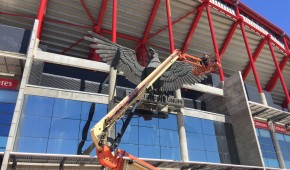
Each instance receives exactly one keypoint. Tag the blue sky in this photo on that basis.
(275, 11)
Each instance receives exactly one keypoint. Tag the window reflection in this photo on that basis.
(39, 106)
(32, 145)
(64, 129)
(67, 109)
(62, 146)
(32, 126)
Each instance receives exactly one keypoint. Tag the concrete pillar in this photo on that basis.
(181, 131)
(263, 99)
(222, 84)
(112, 92)
(20, 99)
(276, 145)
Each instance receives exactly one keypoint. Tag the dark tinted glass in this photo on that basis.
(7, 108)
(5, 119)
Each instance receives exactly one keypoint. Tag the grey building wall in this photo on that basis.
(242, 122)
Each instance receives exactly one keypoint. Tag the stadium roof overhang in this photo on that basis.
(242, 39)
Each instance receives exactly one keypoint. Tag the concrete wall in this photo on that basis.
(242, 122)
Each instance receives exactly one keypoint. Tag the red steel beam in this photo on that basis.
(273, 81)
(174, 22)
(215, 45)
(279, 72)
(40, 17)
(128, 37)
(150, 21)
(228, 39)
(192, 29)
(101, 16)
(71, 46)
(169, 22)
(255, 56)
(88, 12)
(286, 44)
(114, 21)
(249, 52)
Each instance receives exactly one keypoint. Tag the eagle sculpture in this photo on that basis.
(124, 59)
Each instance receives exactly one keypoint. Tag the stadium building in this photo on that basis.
(54, 88)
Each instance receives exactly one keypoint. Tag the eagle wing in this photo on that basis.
(117, 56)
(178, 74)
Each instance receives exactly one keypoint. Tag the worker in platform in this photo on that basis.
(205, 60)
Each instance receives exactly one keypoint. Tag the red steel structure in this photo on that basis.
(141, 47)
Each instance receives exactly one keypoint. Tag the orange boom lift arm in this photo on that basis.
(99, 132)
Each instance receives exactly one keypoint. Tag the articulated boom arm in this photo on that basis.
(99, 131)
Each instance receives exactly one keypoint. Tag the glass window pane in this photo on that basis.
(64, 129)
(3, 141)
(82, 125)
(192, 124)
(280, 136)
(210, 143)
(264, 140)
(258, 132)
(287, 164)
(169, 123)
(130, 135)
(8, 96)
(39, 106)
(271, 155)
(169, 138)
(5, 119)
(207, 127)
(170, 153)
(195, 141)
(149, 152)
(99, 112)
(287, 138)
(87, 143)
(273, 163)
(4, 130)
(269, 148)
(148, 123)
(7, 108)
(32, 126)
(195, 155)
(62, 146)
(148, 136)
(265, 133)
(213, 157)
(129, 148)
(67, 109)
(33, 145)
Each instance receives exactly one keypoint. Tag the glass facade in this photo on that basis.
(156, 138)
(59, 126)
(50, 125)
(267, 148)
(201, 140)
(8, 100)
(284, 142)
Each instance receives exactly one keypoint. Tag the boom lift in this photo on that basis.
(99, 132)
